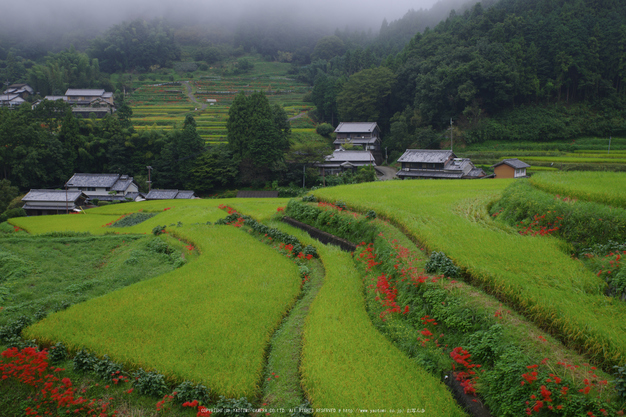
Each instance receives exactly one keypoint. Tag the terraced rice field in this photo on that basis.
(533, 274)
(164, 106)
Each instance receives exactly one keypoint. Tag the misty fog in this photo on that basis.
(43, 18)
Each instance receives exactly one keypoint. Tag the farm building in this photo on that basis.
(170, 194)
(105, 187)
(87, 101)
(42, 202)
(510, 168)
(342, 160)
(361, 134)
(425, 163)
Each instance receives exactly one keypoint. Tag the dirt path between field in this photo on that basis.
(297, 116)
(192, 97)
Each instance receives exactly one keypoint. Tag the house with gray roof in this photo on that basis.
(365, 135)
(22, 90)
(105, 187)
(157, 194)
(510, 168)
(11, 100)
(43, 202)
(86, 101)
(441, 164)
(342, 160)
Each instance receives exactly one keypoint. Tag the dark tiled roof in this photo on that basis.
(185, 194)
(122, 183)
(169, 194)
(426, 155)
(512, 162)
(257, 194)
(162, 195)
(476, 173)
(356, 127)
(93, 180)
(52, 195)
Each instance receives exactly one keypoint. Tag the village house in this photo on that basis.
(364, 135)
(343, 160)
(105, 187)
(424, 163)
(87, 101)
(43, 202)
(170, 194)
(510, 168)
(15, 94)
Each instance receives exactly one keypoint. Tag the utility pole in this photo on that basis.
(609, 145)
(451, 147)
(149, 182)
(67, 208)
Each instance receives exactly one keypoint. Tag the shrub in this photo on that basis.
(439, 263)
(150, 383)
(309, 199)
(188, 392)
(14, 328)
(324, 129)
(57, 353)
(232, 407)
(371, 214)
(84, 361)
(11, 213)
(157, 230)
(310, 250)
(158, 246)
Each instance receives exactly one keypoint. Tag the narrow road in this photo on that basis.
(191, 96)
(385, 173)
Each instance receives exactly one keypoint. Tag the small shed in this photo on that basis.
(510, 168)
(42, 202)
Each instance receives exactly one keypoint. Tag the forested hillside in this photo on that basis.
(532, 70)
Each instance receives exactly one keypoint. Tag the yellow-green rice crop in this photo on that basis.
(533, 274)
(601, 187)
(209, 321)
(90, 221)
(348, 364)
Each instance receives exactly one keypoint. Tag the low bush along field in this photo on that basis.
(532, 273)
(208, 322)
(601, 187)
(347, 363)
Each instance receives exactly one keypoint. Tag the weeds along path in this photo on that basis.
(531, 274)
(282, 388)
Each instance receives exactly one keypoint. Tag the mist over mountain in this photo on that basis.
(59, 23)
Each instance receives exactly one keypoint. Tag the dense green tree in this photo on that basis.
(365, 97)
(66, 69)
(327, 48)
(7, 193)
(136, 45)
(213, 170)
(258, 136)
